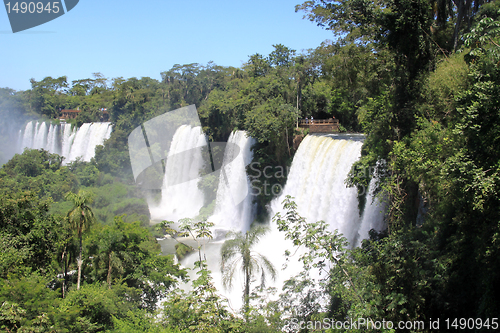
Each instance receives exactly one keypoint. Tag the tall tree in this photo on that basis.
(80, 217)
(237, 252)
(48, 95)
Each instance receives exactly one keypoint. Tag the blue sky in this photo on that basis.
(143, 38)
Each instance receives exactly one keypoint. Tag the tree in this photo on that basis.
(28, 235)
(238, 252)
(48, 95)
(126, 252)
(282, 56)
(201, 309)
(80, 217)
(325, 252)
(258, 65)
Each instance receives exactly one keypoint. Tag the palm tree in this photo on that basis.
(237, 252)
(80, 217)
(108, 253)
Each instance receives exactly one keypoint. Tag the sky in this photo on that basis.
(144, 38)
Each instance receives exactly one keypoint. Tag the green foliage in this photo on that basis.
(87, 173)
(282, 56)
(37, 171)
(443, 86)
(448, 164)
(201, 309)
(140, 322)
(47, 97)
(355, 73)
(42, 173)
(29, 305)
(197, 230)
(272, 124)
(181, 250)
(92, 308)
(80, 218)
(29, 235)
(117, 198)
(122, 264)
(394, 278)
(128, 253)
(304, 297)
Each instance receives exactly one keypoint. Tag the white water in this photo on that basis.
(87, 137)
(183, 199)
(60, 139)
(373, 214)
(234, 209)
(316, 181)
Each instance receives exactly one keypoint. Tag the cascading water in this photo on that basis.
(183, 199)
(234, 185)
(62, 140)
(52, 139)
(28, 135)
(233, 210)
(87, 137)
(316, 181)
(373, 214)
(40, 136)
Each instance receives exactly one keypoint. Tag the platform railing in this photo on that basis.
(331, 121)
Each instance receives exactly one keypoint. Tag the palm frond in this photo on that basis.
(228, 273)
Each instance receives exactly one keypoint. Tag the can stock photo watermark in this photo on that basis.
(25, 15)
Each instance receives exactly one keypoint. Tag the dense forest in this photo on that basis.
(420, 78)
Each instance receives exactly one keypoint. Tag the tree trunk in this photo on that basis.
(108, 279)
(79, 263)
(246, 294)
(462, 7)
(63, 264)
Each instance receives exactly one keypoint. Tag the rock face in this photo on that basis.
(323, 128)
(297, 139)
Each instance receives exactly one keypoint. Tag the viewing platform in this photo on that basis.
(320, 125)
(69, 114)
(72, 114)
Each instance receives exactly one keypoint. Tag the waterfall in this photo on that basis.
(40, 136)
(180, 195)
(52, 138)
(62, 140)
(316, 181)
(87, 137)
(28, 136)
(373, 214)
(67, 138)
(234, 208)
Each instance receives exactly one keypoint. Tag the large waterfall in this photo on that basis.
(180, 195)
(234, 209)
(63, 140)
(316, 181)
